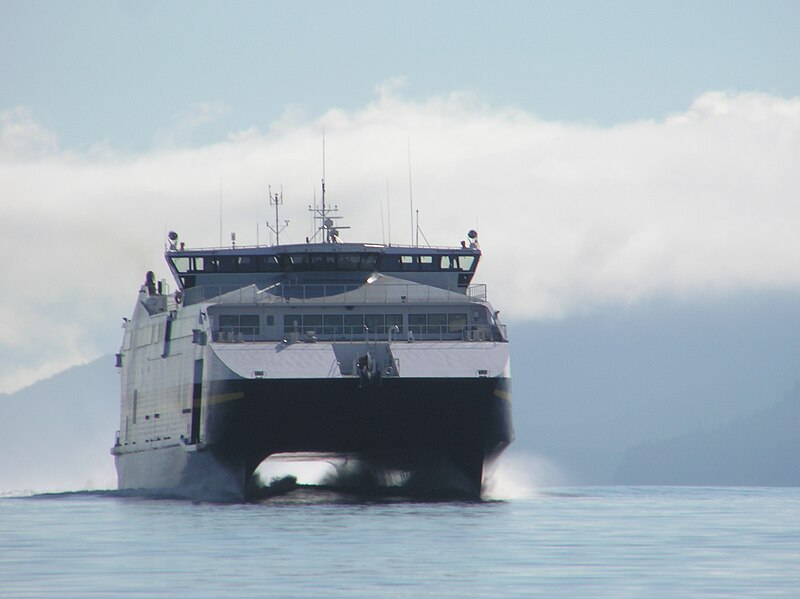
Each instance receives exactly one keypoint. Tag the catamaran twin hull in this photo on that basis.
(443, 428)
(406, 425)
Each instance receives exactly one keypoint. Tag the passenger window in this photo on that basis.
(456, 322)
(245, 324)
(292, 323)
(444, 263)
(417, 323)
(437, 323)
(353, 324)
(249, 324)
(228, 321)
(312, 322)
(332, 324)
(394, 320)
(374, 323)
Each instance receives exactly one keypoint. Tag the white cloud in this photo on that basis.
(22, 137)
(184, 125)
(704, 202)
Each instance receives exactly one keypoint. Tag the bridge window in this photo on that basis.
(292, 262)
(223, 264)
(369, 262)
(427, 263)
(322, 262)
(348, 262)
(389, 263)
(210, 264)
(181, 264)
(247, 264)
(268, 264)
(466, 262)
(408, 263)
(227, 263)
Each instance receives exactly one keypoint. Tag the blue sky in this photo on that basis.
(635, 150)
(127, 73)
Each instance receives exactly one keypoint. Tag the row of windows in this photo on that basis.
(337, 324)
(437, 323)
(353, 324)
(246, 324)
(346, 324)
(322, 262)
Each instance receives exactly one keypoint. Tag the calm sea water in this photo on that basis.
(571, 542)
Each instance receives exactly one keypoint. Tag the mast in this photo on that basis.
(277, 201)
(410, 192)
(326, 215)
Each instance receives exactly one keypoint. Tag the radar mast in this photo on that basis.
(277, 201)
(326, 215)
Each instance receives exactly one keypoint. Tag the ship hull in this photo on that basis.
(446, 429)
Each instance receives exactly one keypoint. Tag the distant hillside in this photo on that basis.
(55, 434)
(761, 450)
(589, 387)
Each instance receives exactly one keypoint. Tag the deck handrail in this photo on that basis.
(313, 248)
(362, 334)
(334, 293)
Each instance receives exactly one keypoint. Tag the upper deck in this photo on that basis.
(198, 271)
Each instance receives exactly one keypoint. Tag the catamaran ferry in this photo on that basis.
(384, 354)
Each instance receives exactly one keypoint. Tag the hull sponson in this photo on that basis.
(465, 420)
(180, 471)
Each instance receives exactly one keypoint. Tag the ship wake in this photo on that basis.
(347, 477)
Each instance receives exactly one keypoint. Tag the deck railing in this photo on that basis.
(334, 293)
(364, 334)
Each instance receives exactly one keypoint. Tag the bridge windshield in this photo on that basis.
(315, 262)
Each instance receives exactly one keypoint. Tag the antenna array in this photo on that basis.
(277, 201)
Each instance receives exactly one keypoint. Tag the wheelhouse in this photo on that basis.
(202, 273)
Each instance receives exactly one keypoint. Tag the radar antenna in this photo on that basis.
(277, 201)
(327, 216)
